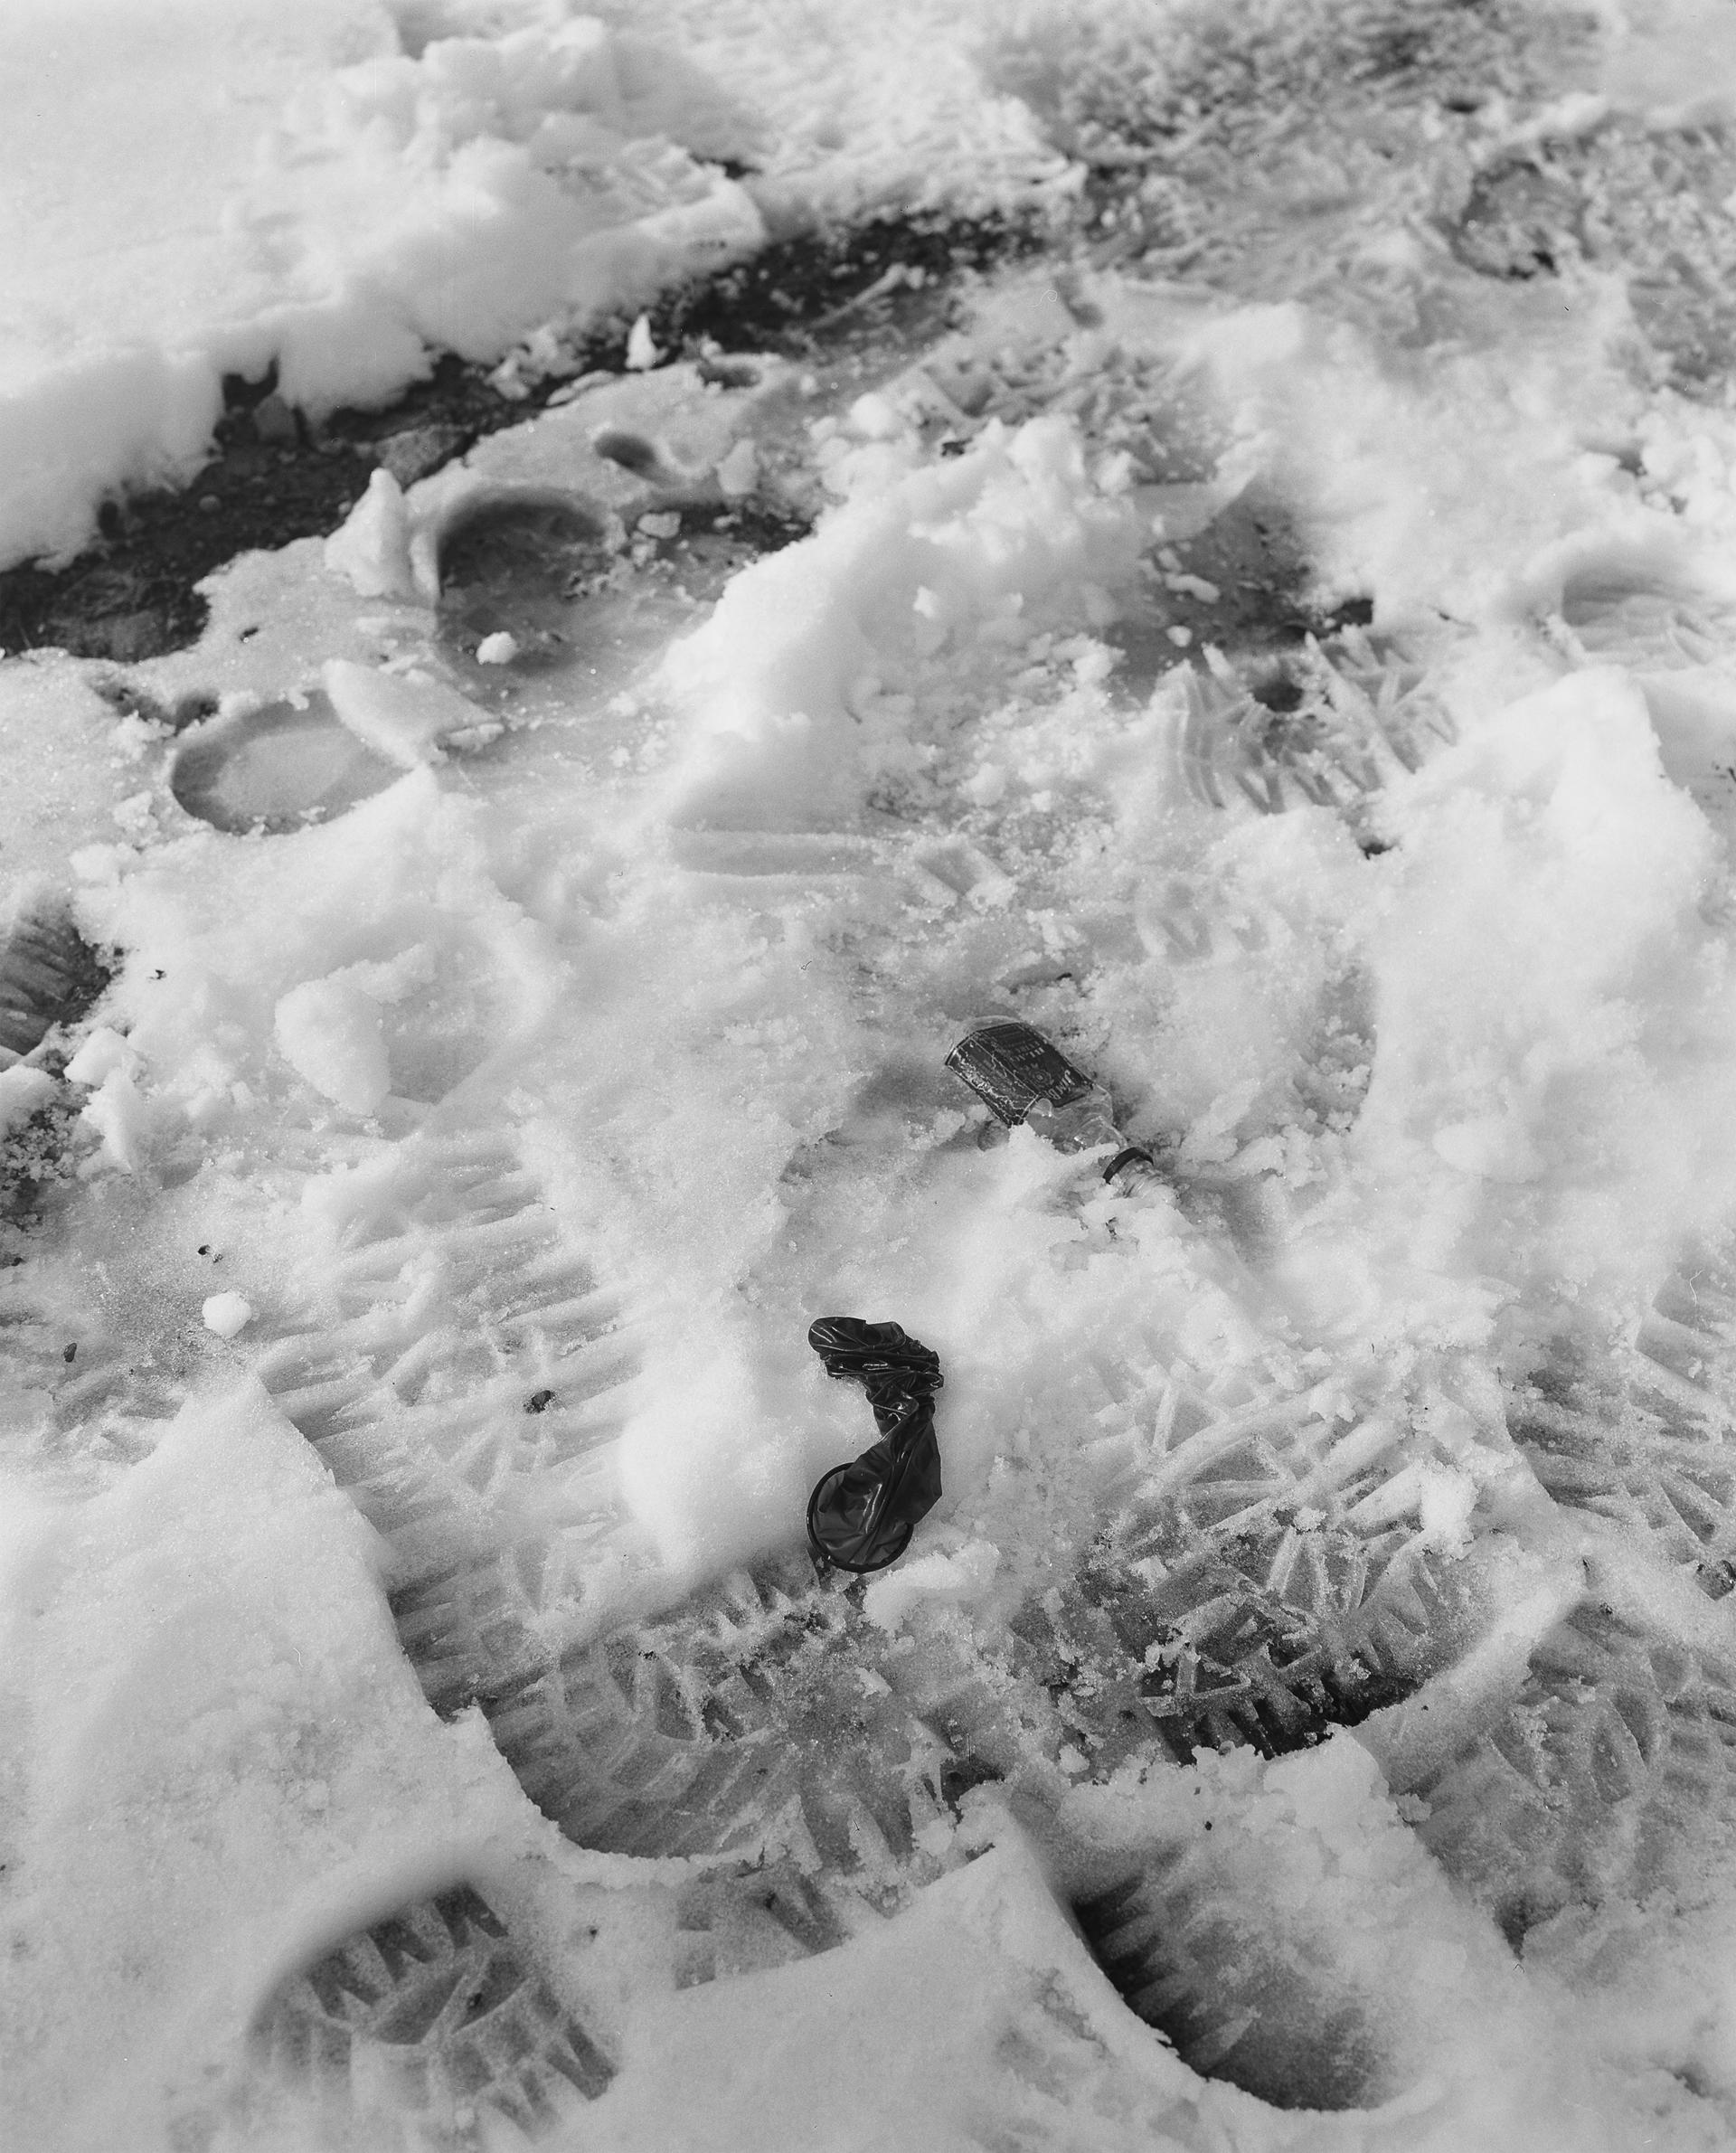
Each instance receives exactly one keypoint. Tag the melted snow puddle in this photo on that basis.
(276, 767)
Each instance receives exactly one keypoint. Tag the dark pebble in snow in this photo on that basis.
(415, 451)
(274, 421)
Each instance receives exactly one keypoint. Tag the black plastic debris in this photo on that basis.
(1021, 1076)
(861, 1515)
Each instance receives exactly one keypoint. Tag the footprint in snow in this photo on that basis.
(433, 2013)
(542, 594)
(1259, 1578)
(276, 769)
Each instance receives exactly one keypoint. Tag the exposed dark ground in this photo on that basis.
(273, 478)
(1192, 136)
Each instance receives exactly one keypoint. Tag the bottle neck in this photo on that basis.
(1085, 1124)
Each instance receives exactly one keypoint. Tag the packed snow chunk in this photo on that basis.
(117, 1111)
(103, 1052)
(1693, 711)
(331, 1031)
(708, 1497)
(404, 716)
(371, 547)
(121, 1116)
(739, 473)
(946, 1577)
(800, 690)
(227, 1314)
(642, 354)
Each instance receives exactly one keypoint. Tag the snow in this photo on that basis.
(354, 207)
(227, 1314)
(402, 717)
(23, 1091)
(208, 1665)
(799, 683)
(373, 546)
(517, 1040)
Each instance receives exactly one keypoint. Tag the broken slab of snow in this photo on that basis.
(404, 716)
(944, 1576)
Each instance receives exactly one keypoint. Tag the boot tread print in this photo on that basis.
(477, 1368)
(432, 2014)
(1601, 1780)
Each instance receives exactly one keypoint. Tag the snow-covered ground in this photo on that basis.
(1280, 640)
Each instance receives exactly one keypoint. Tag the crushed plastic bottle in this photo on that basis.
(1021, 1076)
(861, 1515)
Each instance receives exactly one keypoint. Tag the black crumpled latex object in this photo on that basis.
(861, 1516)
